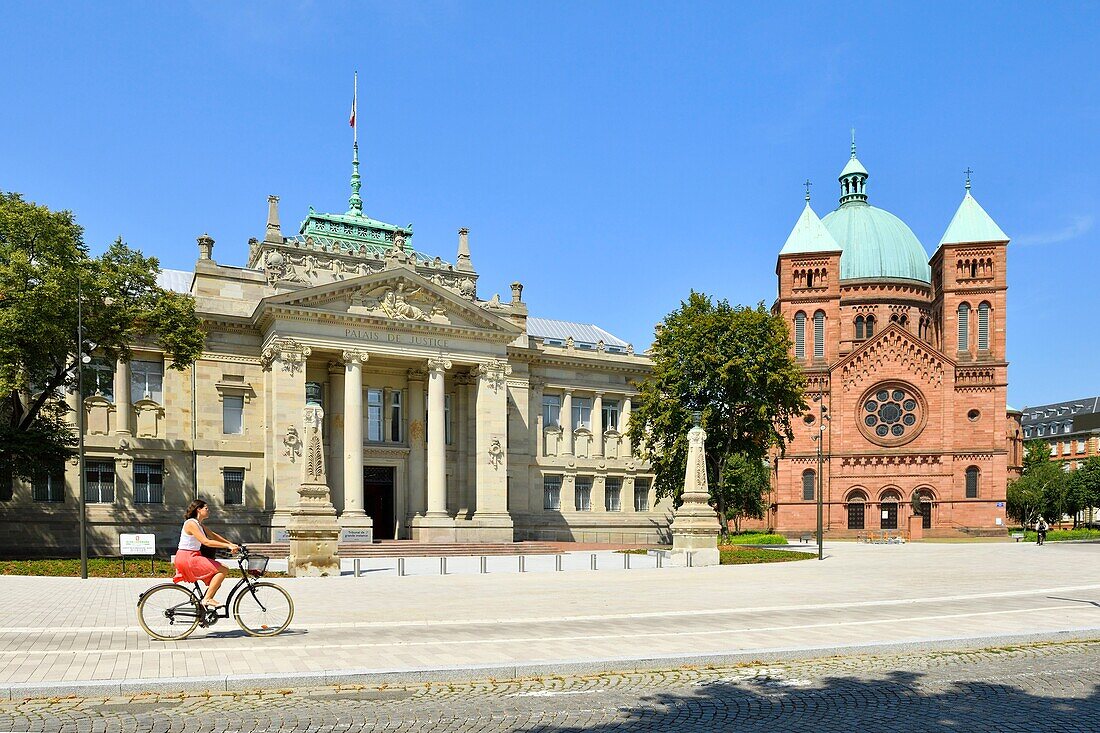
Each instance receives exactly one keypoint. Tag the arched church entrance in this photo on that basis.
(856, 504)
(888, 506)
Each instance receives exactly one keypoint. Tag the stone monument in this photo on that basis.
(312, 527)
(695, 525)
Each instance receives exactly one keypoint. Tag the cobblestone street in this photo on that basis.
(1048, 686)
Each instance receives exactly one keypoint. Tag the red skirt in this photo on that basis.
(192, 566)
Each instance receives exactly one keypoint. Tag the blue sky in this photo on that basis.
(610, 156)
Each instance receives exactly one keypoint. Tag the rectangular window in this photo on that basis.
(641, 495)
(584, 493)
(964, 327)
(448, 430)
(395, 415)
(800, 336)
(374, 415)
(809, 485)
(99, 482)
(983, 327)
(147, 381)
(232, 415)
(49, 485)
(551, 493)
(148, 482)
(99, 379)
(1081, 444)
(233, 483)
(611, 415)
(612, 496)
(582, 412)
(819, 335)
(551, 411)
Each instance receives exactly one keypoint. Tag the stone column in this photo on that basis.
(597, 425)
(124, 416)
(284, 362)
(695, 525)
(418, 501)
(624, 425)
(492, 521)
(565, 417)
(436, 525)
(312, 526)
(336, 433)
(460, 408)
(387, 414)
(355, 525)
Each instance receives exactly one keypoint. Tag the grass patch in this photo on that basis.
(98, 567)
(737, 555)
(752, 538)
(635, 551)
(1055, 535)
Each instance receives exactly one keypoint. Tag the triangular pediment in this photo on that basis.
(397, 295)
(896, 353)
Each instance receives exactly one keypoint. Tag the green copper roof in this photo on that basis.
(876, 244)
(853, 166)
(1011, 408)
(809, 235)
(972, 224)
(356, 233)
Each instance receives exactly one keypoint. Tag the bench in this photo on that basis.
(807, 538)
(1017, 536)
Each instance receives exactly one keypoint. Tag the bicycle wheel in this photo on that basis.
(168, 612)
(263, 610)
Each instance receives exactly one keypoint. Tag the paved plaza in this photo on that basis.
(61, 635)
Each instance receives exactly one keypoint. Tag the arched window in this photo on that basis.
(904, 322)
(810, 279)
(859, 327)
(869, 327)
(972, 475)
(800, 335)
(809, 485)
(964, 327)
(973, 269)
(983, 327)
(819, 335)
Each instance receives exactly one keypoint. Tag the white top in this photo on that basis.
(187, 541)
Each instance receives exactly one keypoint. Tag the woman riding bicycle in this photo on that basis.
(191, 564)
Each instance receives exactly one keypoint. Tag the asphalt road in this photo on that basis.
(1046, 686)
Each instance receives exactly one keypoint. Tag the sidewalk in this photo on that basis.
(60, 635)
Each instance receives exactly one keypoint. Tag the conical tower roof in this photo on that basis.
(809, 235)
(972, 224)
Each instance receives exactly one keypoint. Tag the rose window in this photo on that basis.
(891, 414)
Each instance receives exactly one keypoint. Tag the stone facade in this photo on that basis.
(914, 400)
(434, 421)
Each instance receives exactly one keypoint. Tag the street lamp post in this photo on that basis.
(80, 428)
(819, 437)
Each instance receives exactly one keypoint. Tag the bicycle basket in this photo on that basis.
(257, 564)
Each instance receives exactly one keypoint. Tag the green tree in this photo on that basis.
(1086, 482)
(42, 259)
(745, 481)
(1044, 488)
(733, 364)
(1036, 452)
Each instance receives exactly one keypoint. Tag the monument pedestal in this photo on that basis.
(312, 527)
(356, 528)
(695, 524)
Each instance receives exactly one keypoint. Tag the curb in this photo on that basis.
(503, 672)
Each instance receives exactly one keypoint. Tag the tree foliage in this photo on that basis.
(733, 364)
(1046, 489)
(744, 483)
(43, 263)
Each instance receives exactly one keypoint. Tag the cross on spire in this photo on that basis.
(968, 172)
(853, 142)
(807, 184)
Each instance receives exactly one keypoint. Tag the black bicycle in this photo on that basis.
(171, 611)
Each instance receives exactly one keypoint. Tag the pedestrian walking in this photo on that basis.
(1041, 528)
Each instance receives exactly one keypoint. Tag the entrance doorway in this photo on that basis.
(889, 515)
(378, 491)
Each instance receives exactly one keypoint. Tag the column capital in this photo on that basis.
(336, 367)
(288, 352)
(536, 383)
(354, 357)
(439, 365)
(493, 372)
(417, 374)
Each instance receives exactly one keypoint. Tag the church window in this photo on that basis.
(551, 410)
(810, 279)
(859, 327)
(819, 335)
(146, 380)
(869, 331)
(983, 327)
(809, 485)
(374, 415)
(964, 327)
(972, 474)
(800, 335)
(973, 269)
(904, 322)
(890, 414)
(582, 413)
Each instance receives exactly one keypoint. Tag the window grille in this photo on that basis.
(613, 489)
(233, 482)
(99, 482)
(148, 482)
(49, 485)
(641, 495)
(809, 485)
(972, 474)
(551, 493)
(583, 493)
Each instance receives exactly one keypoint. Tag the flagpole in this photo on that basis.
(355, 110)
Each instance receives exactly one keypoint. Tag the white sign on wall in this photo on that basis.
(137, 544)
(885, 513)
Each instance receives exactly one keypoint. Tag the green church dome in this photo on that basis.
(874, 242)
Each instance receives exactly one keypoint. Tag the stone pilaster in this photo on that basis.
(284, 362)
(460, 410)
(124, 411)
(492, 522)
(695, 524)
(418, 481)
(336, 433)
(535, 420)
(312, 527)
(436, 525)
(356, 525)
(597, 425)
(565, 417)
(624, 425)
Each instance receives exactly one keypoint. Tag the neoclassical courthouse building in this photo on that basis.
(906, 355)
(453, 417)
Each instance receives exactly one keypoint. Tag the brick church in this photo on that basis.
(906, 373)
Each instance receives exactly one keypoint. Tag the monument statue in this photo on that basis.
(695, 525)
(312, 527)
